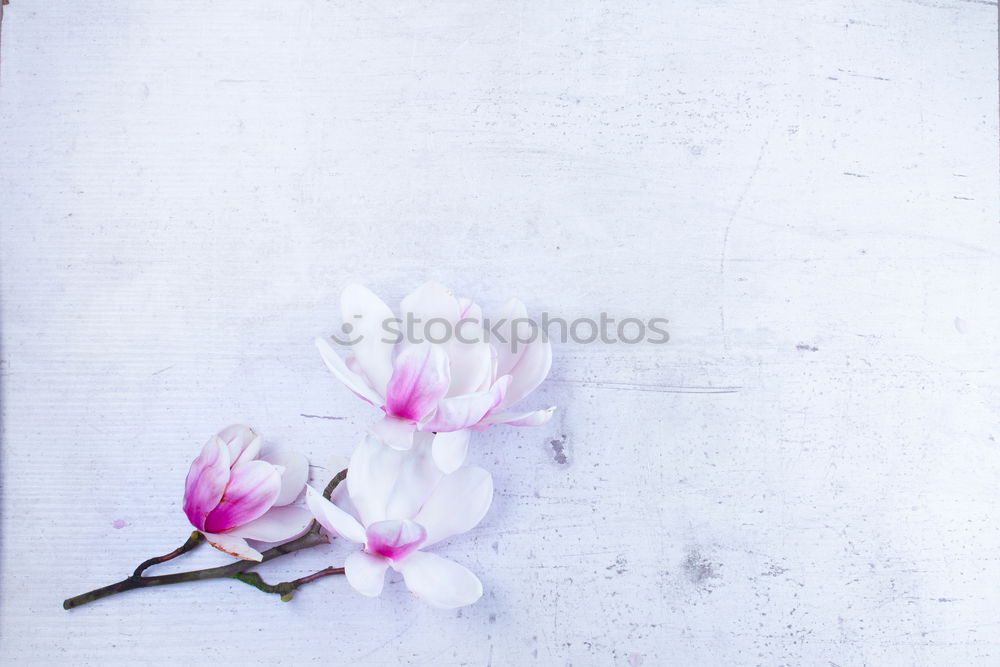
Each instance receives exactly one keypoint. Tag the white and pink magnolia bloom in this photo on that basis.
(465, 381)
(233, 493)
(396, 504)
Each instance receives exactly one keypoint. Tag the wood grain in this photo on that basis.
(806, 474)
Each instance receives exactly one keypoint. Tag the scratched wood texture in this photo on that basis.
(806, 474)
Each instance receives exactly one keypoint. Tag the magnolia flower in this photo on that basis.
(234, 493)
(464, 381)
(396, 505)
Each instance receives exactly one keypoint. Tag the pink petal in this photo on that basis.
(367, 314)
(459, 412)
(395, 539)
(419, 380)
(206, 481)
(438, 581)
(252, 490)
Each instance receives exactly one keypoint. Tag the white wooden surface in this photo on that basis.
(808, 191)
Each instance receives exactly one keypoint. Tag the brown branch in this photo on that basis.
(196, 538)
(312, 537)
(286, 588)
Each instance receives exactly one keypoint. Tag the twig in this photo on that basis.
(196, 538)
(286, 588)
(312, 537)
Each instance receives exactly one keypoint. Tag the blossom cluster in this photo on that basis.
(408, 486)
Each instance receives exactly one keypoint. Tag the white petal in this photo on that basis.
(243, 443)
(366, 572)
(470, 354)
(532, 367)
(333, 518)
(234, 546)
(469, 309)
(342, 499)
(533, 418)
(506, 356)
(277, 525)
(371, 475)
(294, 475)
(458, 503)
(427, 302)
(417, 478)
(438, 581)
(367, 315)
(394, 432)
(471, 365)
(352, 380)
(450, 450)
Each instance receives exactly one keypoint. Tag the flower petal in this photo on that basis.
(371, 475)
(450, 450)
(395, 432)
(532, 367)
(420, 378)
(533, 418)
(469, 353)
(395, 539)
(367, 315)
(458, 503)
(469, 309)
(352, 380)
(333, 518)
(342, 499)
(438, 581)
(366, 572)
(243, 443)
(471, 364)
(277, 525)
(505, 327)
(430, 301)
(294, 475)
(251, 491)
(206, 481)
(234, 546)
(459, 412)
(417, 477)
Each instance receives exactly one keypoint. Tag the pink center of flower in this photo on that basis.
(395, 539)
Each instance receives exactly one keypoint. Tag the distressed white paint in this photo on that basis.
(808, 191)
